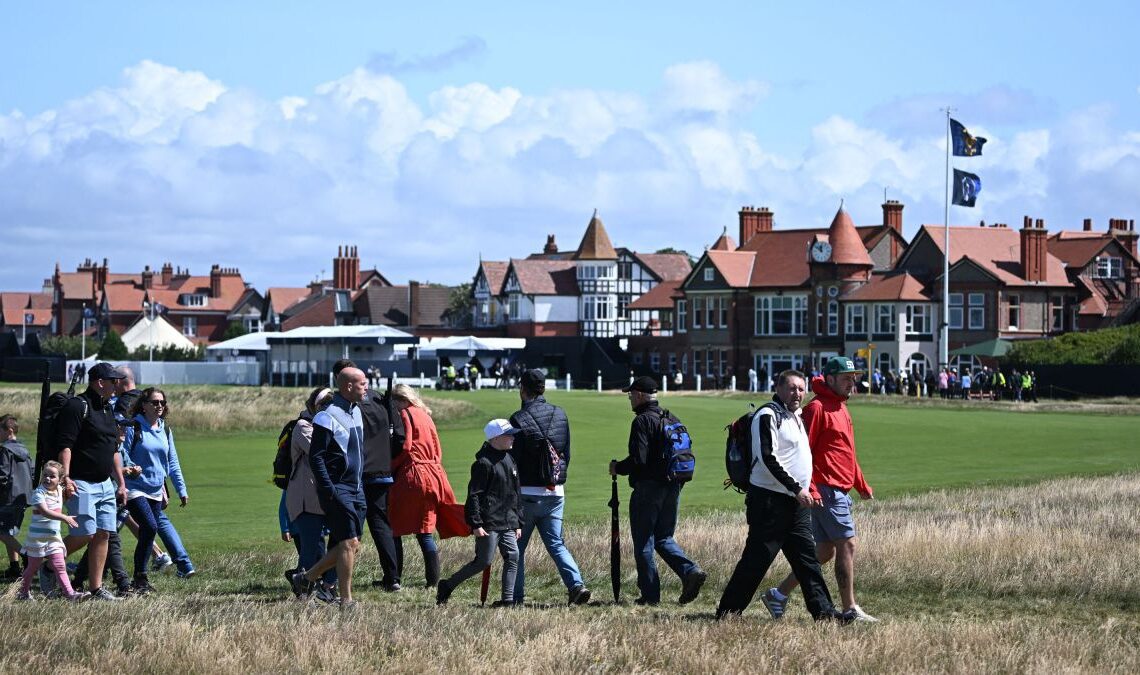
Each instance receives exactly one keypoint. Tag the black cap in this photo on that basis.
(105, 371)
(643, 384)
(533, 380)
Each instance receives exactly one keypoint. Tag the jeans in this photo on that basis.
(776, 522)
(152, 520)
(652, 520)
(545, 514)
(376, 499)
(485, 553)
(309, 535)
(431, 557)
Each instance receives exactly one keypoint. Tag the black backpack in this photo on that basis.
(677, 450)
(283, 460)
(50, 408)
(739, 455)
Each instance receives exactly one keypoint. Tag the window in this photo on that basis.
(672, 363)
(698, 312)
(710, 361)
(685, 363)
(193, 300)
(819, 316)
(698, 361)
(513, 306)
(655, 362)
(781, 315)
(597, 308)
(1014, 312)
(918, 363)
(723, 312)
(885, 362)
(682, 315)
(1108, 268)
(723, 361)
(1058, 307)
(884, 319)
(977, 311)
(189, 326)
(833, 317)
(623, 306)
(956, 311)
(856, 321)
(918, 320)
(712, 311)
(708, 274)
(625, 269)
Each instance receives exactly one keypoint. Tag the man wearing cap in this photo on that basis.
(87, 438)
(542, 452)
(655, 499)
(835, 471)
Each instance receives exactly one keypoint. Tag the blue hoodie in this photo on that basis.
(155, 453)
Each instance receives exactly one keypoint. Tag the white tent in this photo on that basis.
(159, 334)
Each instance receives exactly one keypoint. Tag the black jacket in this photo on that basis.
(87, 425)
(539, 419)
(378, 436)
(646, 435)
(15, 474)
(493, 492)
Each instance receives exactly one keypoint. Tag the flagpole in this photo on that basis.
(944, 338)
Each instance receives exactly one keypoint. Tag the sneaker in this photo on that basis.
(857, 614)
(162, 563)
(326, 594)
(691, 586)
(442, 592)
(102, 594)
(347, 605)
(505, 603)
(79, 597)
(300, 584)
(775, 607)
(142, 586)
(841, 618)
(579, 595)
(125, 591)
(25, 596)
(187, 573)
(646, 603)
(386, 585)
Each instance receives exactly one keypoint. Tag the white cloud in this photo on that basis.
(701, 86)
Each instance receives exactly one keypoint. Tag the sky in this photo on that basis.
(262, 135)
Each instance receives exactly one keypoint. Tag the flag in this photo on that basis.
(966, 188)
(965, 145)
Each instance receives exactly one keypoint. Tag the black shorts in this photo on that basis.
(344, 516)
(11, 519)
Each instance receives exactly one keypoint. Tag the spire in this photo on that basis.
(846, 245)
(595, 243)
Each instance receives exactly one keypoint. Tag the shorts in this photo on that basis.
(344, 516)
(94, 507)
(832, 521)
(11, 520)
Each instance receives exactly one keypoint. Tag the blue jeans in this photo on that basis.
(309, 532)
(545, 513)
(152, 520)
(652, 520)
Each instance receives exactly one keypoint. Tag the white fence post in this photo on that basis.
(698, 382)
(733, 385)
(599, 381)
(567, 381)
(665, 384)
(423, 382)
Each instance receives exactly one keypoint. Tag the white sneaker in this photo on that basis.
(857, 614)
(162, 563)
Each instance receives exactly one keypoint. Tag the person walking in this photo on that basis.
(655, 500)
(44, 542)
(306, 518)
(778, 505)
(15, 490)
(835, 471)
(542, 453)
(87, 440)
(422, 499)
(336, 459)
(149, 443)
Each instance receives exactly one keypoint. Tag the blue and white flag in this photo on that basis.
(966, 188)
(965, 145)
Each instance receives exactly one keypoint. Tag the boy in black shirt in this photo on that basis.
(492, 512)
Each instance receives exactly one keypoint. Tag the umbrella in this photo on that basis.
(486, 584)
(991, 348)
(615, 542)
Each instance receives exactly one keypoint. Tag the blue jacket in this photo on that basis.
(153, 451)
(336, 451)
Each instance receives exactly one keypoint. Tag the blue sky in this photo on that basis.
(261, 135)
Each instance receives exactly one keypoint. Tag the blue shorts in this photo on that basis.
(94, 507)
(832, 521)
(344, 516)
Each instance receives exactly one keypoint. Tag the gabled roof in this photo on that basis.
(667, 266)
(734, 266)
(1095, 304)
(495, 272)
(123, 298)
(77, 285)
(281, 298)
(995, 249)
(781, 257)
(894, 287)
(1077, 249)
(16, 305)
(391, 305)
(373, 275)
(847, 246)
(660, 296)
(595, 243)
(546, 277)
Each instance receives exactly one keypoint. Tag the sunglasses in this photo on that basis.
(157, 404)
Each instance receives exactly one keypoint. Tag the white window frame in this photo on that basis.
(190, 326)
(918, 319)
(655, 361)
(956, 315)
(1108, 267)
(708, 274)
(833, 317)
(1013, 312)
(513, 307)
(723, 304)
(977, 311)
(884, 312)
(856, 319)
(711, 312)
(682, 315)
(698, 312)
(765, 307)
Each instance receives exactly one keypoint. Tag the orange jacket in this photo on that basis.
(832, 440)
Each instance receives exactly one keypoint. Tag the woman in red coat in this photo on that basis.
(421, 500)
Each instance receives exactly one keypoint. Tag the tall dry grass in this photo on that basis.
(1042, 578)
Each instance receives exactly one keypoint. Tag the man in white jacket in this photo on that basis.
(778, 506)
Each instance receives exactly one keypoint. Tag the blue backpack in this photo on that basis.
(677, 450)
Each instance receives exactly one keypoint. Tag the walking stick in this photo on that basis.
(486, 584)
(615, 542)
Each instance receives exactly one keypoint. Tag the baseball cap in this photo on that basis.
(840, 364)
(643, 384)
(105, 371)
(499, 427)
(533, 379)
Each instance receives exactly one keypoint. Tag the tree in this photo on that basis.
(113, 348)
(68, 346)
(459, 304)
(670, 249)
(235, 329)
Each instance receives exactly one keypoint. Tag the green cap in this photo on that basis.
(840, 364)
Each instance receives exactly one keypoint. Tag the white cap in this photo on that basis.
(499, 427)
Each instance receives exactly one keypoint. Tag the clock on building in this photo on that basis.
(821, 251)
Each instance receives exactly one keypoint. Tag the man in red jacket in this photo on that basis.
(835, 471)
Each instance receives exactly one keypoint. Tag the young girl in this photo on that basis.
(44, 540)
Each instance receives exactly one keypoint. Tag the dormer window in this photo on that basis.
(192, 300)
(1108, 267)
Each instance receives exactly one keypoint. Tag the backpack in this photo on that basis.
(283, 460)
(739, 455)
(677, 450)
(46, 450)
(552, 467)
(12, 485)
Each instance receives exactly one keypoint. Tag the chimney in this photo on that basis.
(1125, 232)
(167, 273)
(413, 304)
(215, 281)
(346, 268)
(892, 215)
(147, 278)
(1033, 249)
(316, 287)
(753, 221)
(550, 247)
(1088, 224)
